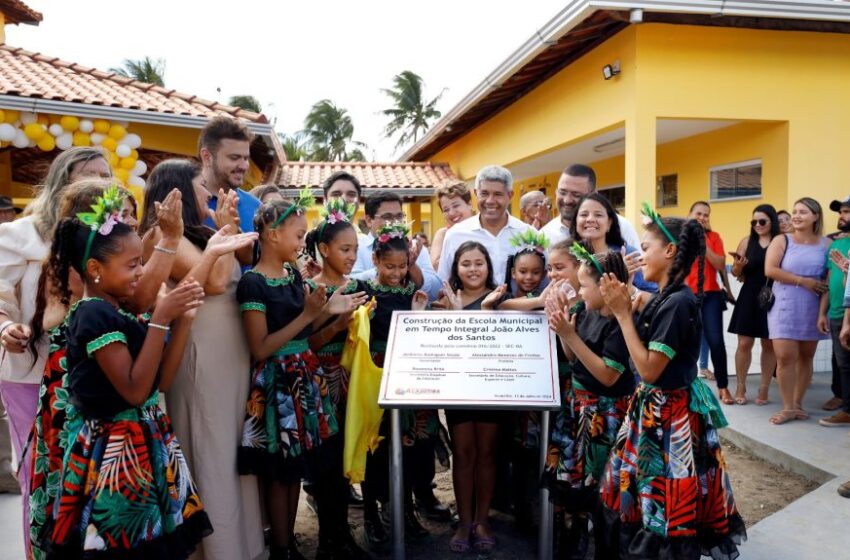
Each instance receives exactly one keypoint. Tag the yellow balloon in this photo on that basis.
(2, 116)
(127, 163)
(43, 120)
(134, 154)
(109, 144)
(121, 174)
(101, 126)
(81, 139)
(69, 123)
(34, 131)
(114, 160)
(11, 116)
(137, 193)
(117, 131)
(47, 143)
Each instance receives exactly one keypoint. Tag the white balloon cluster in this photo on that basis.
(48, 132)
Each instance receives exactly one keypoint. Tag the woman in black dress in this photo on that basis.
(749, 321)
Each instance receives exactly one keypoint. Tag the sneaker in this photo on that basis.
(432, 508)
(844, 489)
(832, 404)
(838, 419)
(355, 499)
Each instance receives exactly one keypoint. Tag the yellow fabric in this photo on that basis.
(363, 415)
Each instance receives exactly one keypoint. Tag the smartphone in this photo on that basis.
(735, 255)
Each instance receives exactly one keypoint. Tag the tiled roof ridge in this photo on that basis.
(369, 163)
(130, 82)
(19, 12)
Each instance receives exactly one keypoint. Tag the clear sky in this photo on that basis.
(291, 54)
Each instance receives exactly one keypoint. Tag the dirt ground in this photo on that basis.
(760, 490)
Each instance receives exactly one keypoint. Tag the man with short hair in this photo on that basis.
(8, 211)
(831, 316)
(224, 147)
(534, 209)
(383, 208)
(493, 226)
(576, 181)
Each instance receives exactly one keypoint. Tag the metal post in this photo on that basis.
(544, 537)
(396, 486)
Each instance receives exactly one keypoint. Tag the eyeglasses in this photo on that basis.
(392, 217)
(760, 221)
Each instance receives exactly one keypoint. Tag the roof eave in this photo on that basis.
(577, 11)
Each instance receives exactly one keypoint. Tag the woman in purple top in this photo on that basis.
(797, 264)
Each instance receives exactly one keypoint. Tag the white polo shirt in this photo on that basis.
(498, 246)
(555, 231)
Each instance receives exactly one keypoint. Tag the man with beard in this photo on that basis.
(493, 227)
(832, 313)
(576, 181)
(225, 150)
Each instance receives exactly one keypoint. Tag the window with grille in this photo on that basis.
(667, 191)
(616, 195)
(738, 180)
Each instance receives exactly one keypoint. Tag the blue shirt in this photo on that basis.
(247, 206)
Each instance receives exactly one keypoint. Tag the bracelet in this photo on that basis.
(634, 294)
(165, 328)
(165, 250)
(5, 325)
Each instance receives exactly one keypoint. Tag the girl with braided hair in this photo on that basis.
(665, 492)
(600, 394)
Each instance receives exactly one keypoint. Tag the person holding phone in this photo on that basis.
(749, 320)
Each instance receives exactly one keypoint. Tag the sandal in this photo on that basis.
(461, 544)
(725, 396)
(761, 401)
(482, 544)
(741, 397)
(783, 416)
(707, 374)
(801, 414)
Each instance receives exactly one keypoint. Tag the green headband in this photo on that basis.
(530, 240)
(105, 213)
(336, 210)
(584, 256)
(301, 204)
(653, 217)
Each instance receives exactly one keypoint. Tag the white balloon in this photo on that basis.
(28, 118)
(20, 140)
(97, 138)
(31, 143)
(140, 168)
(55, 129)
(135, 181)
(64, 141)
(86, 126)
(7, 132)
(123, 150)
(125, 124)
(132, 140)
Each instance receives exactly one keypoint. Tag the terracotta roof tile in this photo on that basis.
(28, 74)
(18, 12)
(403, 175)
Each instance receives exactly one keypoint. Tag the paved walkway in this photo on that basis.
(816, 526)
(813, 527)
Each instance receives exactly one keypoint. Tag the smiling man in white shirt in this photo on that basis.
(493, 227)
(576, 181)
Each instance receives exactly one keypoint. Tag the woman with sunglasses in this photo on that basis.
(749, 321)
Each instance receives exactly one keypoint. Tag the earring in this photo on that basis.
(97, 279)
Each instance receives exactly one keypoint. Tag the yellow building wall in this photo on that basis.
(676, 71)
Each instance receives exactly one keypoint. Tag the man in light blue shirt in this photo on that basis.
(224, 147)
(380, 209)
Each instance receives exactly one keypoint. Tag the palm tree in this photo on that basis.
(411, 115)
(247, 102)
(293, 146)
(148, 70)
(328, 131)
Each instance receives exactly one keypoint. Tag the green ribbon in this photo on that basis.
(703, 401)
(285, 215)
(87, 252)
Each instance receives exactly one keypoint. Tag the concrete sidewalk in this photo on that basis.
(816, 525)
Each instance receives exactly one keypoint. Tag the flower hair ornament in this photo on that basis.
(530, 240)
(651, 216)
(336, 210)
(392, 230)
(105, 213)
(299, 206)
(585, 257)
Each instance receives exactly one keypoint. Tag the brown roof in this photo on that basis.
(18, 12)
(29, 74)
(404, 175)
